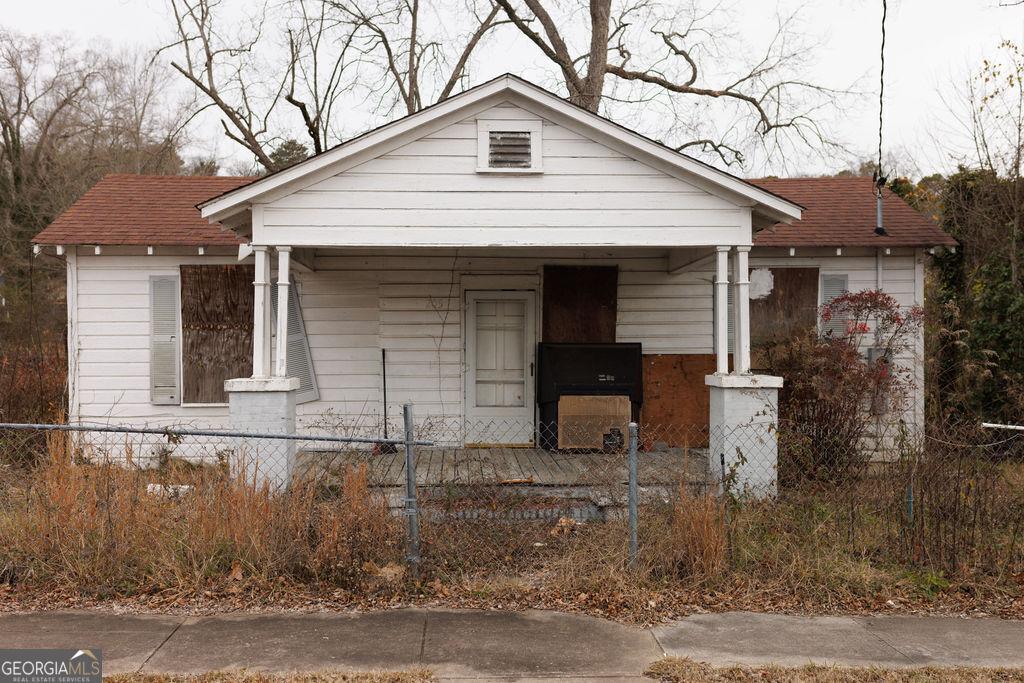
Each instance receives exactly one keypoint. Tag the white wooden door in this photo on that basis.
(500, 346)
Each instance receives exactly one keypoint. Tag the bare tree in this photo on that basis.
(67, 117)
(643, 51)
(330, 53)
(39, 93)
(988, 117)
(222, 68)
(319, 50)
(419, 62)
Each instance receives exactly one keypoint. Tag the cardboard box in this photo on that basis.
(583, 421)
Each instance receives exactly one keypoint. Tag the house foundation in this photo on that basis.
(743, 432)
(263, 406)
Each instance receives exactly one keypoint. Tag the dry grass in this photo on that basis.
(673, 669)
(694, 544)
(243, 676)
(93, 531)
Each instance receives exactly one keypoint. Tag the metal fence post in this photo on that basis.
(411, 511)
(633, 494)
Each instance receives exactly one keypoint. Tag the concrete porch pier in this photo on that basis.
(743, 432)
(263, 405)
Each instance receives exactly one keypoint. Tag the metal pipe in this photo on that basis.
(168, 432)
(992, 425)
(879, 227)
(633, 495)
(411, 511)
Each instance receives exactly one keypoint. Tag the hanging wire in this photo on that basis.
(881, 88)
(879, 177)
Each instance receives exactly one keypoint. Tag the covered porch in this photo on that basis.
(500, 436)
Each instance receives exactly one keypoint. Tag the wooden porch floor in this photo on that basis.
(515, 466)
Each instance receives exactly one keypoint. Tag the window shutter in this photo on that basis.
(729, 322)
(509, 149)
(731, 318)
(300, 360)
(164, 311)
(833, 286)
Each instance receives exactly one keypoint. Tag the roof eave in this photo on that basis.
(768, 203)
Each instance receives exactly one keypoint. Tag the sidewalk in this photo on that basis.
(531, 645)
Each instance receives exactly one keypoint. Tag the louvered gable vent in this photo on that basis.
(509, 146)
(509, 149)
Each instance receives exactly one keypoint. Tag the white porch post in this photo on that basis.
(264, 403)
(741, 311)
(743, 407)
(261, 313)
(721, 312)
(283, 285)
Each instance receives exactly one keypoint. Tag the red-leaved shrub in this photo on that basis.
(837, 383)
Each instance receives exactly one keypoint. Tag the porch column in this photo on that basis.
(283, 285)
(261, 313)
(743, 407)
(741, 311)
(264, 404)
(721, 312)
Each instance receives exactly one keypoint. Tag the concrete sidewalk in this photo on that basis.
(532, 645)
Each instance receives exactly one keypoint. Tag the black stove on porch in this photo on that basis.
(586, 370)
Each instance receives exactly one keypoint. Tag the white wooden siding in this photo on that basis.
(109, 339)
(427, 192)
(409, 303)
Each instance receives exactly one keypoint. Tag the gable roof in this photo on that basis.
(143, 210)
(522, 92)
(841, 212)
(161, 210)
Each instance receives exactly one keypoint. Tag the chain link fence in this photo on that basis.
(451, 498)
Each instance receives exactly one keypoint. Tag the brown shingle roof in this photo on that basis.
(143, 210)
(840, 212)
(160, 210)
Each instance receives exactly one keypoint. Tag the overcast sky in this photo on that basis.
(932, 43)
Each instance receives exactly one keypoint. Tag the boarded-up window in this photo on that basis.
(216, 327)
(580, 303)
(789, 308)
(783, 306)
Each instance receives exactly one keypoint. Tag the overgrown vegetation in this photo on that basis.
(99, 529)
(675, 669)
(840, 380)
(976, 345)
(67, 117)
(939, 528)
(975, 294)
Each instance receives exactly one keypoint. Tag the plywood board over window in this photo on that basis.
(784, 306)
(216, 328)
(580, 303)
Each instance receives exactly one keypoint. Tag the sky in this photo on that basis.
(931, 45)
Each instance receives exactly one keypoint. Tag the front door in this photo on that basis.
(500, 344)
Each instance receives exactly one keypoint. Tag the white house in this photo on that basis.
(447, 245)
